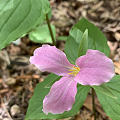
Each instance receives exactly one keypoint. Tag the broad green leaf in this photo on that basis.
(96, 39)
(109, 97)
(5, 5)
(83, 45)
(71, 49)
(35, 105)
(72, 45)
(76, 34)
(42, 35)
(76, 44)
(62, 38)
(103, 89)
(20, 17)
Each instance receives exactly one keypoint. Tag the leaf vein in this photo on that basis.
(10, 16)
(21, 22)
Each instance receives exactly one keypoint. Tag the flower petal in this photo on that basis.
(49, 58)
(95, 68)
(61, 96)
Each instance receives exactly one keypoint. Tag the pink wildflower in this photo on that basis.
(94, 68)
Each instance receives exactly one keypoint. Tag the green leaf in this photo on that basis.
(76, 34)
(42, 35)
(72, 45)
(35, 105)
(109, 97)
(76, 45)
(83, 46)
(105, 90)
(62, 38)
(71, 49)
(5, 5)
(20, 17)
(75, 42)
(96, 39)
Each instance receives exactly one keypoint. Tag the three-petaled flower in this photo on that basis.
(94, 68)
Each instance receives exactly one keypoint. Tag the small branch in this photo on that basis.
(50, 29)
(93, 103)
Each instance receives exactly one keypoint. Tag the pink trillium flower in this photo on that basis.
(94, 68)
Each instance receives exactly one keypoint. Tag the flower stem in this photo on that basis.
(93, 103)
(50, 29)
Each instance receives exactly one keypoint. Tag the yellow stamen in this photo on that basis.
(74, 71)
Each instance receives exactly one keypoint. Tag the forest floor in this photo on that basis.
(18, 77)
